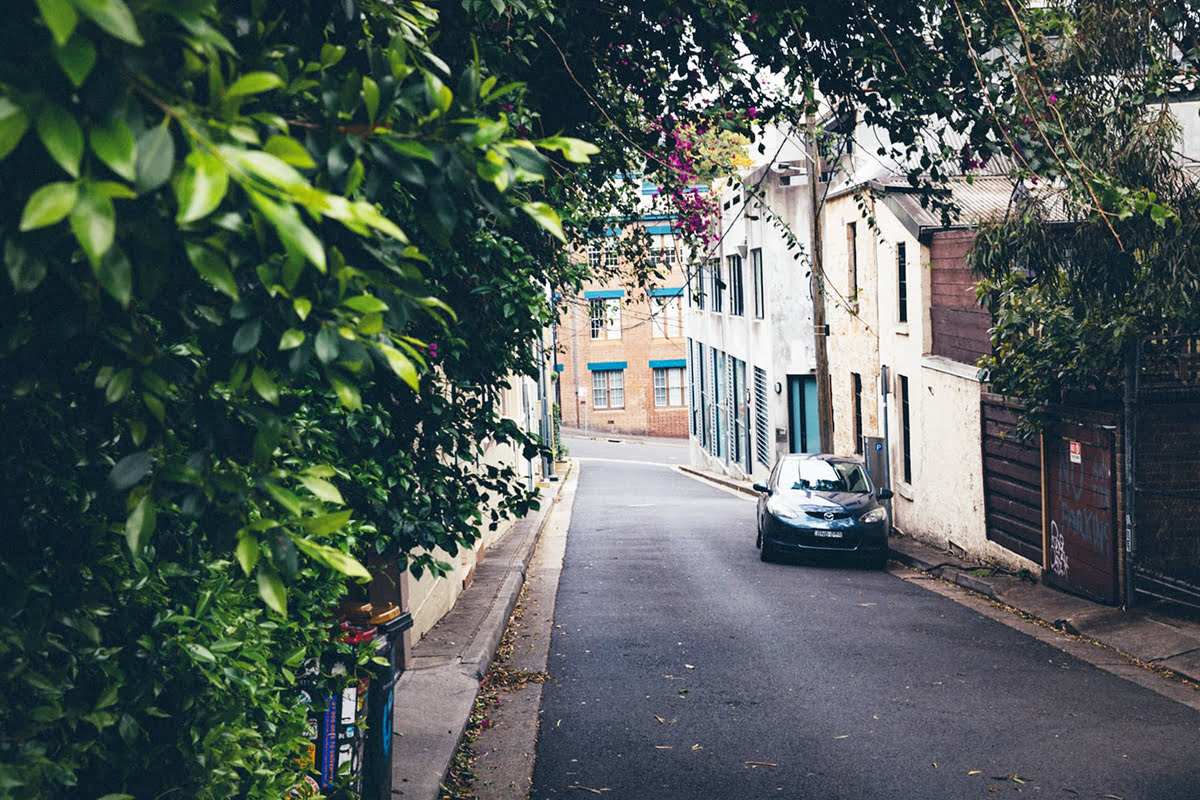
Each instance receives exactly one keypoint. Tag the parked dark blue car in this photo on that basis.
(822, 504)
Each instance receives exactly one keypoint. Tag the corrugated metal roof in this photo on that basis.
(984, 198)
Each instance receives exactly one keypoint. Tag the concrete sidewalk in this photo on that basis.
(436, 692)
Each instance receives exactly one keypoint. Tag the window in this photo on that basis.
(737, 294)
(718, 403)
(741, 415)
(691, 379)
(595, 255)
(606, 317)
(714, 272)
(611, 255)
(668, 386)
(902, 283)
(699, 293)
(664, 255)
(852, 264)
(756, 270)
(762, 433)
(856, 387)
(666, 318)
(702, 409)
(905, 430)
(608, 388)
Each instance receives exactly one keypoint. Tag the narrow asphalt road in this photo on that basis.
(683, 667)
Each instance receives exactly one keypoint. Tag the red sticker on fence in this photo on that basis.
(1076, 453)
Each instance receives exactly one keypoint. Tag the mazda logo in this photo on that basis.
(829, 515)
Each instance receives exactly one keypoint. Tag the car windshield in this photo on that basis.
(823, 476)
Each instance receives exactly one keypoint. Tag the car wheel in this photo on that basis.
(880, 562)
(758, 542)
(768, 552)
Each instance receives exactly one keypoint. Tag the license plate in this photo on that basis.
(827, 534)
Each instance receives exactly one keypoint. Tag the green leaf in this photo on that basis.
(76, 58)
(254, 83)
(322, 489)
(13, 124)
(247, 336)
(272, 590)
(59, 17)
(62, 137)
(295, 236)
(370, 90)
(94, 223)
(118, 386)
(575, 150)
(155, 406)
(201, 186)
(401, 365)
(287, 499)
(334, 558)
(26, 271)
(302, 306)
(140, 524)
(347, 392)
(546, 217)
(267, 167)
(113, 16)
(365, 304)
(291, 339)
(289, 151)
(114, 190)
(130, 470)
(327, 523)
(262, 382)
(327, 344)
(48, 205)
(115, 274)
(155, 157)
(114, 144)
(247, 553)
(213, 268)
(331, 54)
(200, 653)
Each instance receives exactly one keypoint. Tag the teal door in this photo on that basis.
(804, 432)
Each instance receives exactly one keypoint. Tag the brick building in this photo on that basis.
(621, 353)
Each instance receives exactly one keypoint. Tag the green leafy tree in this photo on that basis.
(1100, 245)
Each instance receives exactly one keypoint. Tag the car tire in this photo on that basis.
(768, 552)
(879, 563)
(758, 541)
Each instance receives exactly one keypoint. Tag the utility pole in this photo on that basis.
(817, 282)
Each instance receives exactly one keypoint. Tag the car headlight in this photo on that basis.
(874, 515)
(781, 509)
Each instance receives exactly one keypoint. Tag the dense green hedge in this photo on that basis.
(228, 375)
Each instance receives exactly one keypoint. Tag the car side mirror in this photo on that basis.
(761, 487)
(885, 494)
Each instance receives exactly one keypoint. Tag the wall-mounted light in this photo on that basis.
(778, 387)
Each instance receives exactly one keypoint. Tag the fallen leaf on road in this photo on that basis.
(697, 747)
(663, 747)
(843, 736)
(688, 666)
(761, 764)
(660, 719)
(588, 789)
(975, 772)
(866, 605)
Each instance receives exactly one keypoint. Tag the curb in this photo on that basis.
(435, 695)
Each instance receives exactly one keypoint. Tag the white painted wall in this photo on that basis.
(782, 342)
